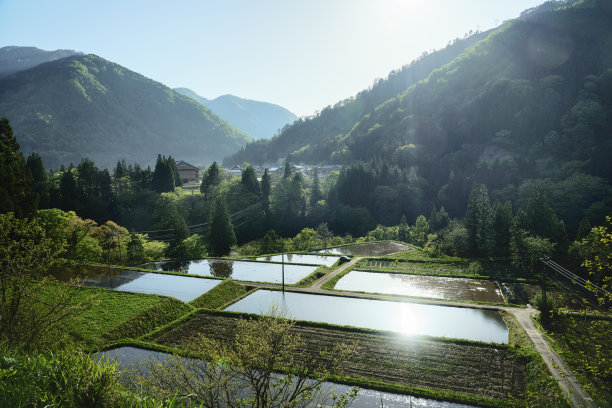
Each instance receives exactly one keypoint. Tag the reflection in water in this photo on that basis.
(421, 285)
(243, 270)
(129, 357)
(221, 269)
(368, 249)
(403, 317)
(184, 288)
(311, 259)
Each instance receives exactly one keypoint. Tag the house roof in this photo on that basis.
(185, 166)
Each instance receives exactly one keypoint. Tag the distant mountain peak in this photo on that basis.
(14, 58)
(261, 120)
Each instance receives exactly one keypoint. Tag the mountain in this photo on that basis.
(14, 59)
(261, 120)
(84, 105)
(306, 134)
(530, 103)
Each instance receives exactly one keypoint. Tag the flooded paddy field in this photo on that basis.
(128, 358)
(421, 286)
(470, 368)
(310, 259)
(239, 270)
(368, 249)
(184, 288)
(401, 317)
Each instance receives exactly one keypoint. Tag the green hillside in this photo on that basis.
(260, 120)
(87, 106)
(309, 136)
(530, 103)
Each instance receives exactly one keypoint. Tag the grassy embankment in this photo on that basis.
(585, 344)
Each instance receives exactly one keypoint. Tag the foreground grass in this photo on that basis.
(110, 315)
(218, 297)
(585, 345)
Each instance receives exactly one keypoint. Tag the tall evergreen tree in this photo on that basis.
(287, 172)
(15, 190)
(38, 176)
(211, 178)
(163, 178)
(221, 235)
(478, 220)
(315, 192)
(501, 223)
(266, 186)
(171, 163)
(249, 180)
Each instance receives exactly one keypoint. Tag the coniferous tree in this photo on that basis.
(171, 163)
(478, 219)
(266, 186)
(15, 190)
(403, 231)
(221, 235)
(249, 180)
(438, 219)
(315, 192)
(38, 176)
(163, 178)
(287, 172)
(211, 178)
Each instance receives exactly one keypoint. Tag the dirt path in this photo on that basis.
(567, 381)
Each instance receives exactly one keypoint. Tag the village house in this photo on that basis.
(187, 172)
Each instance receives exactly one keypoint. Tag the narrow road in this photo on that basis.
(567, 381)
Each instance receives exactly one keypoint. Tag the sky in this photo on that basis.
(302, 55)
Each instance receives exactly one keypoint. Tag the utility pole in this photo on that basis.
(283, 261)
(543, 283)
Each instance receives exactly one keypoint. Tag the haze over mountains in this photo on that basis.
(261, 120)
(85, 106)
(15, 59)
(531, 102)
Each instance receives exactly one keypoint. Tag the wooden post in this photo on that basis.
(283, 261)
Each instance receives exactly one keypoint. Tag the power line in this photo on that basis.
(573, 277)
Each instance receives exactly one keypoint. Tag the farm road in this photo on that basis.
(567, 381)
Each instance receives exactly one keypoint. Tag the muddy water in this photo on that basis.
(239, 270)
(403, 317)
(184, 288)
(301, 258)
(128, 357)
(421, 285)
(368, 249)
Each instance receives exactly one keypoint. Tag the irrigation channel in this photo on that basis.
(136, 359)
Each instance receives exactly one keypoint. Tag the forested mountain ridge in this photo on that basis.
(305, 139)
(86, 106)
(532, 103)
(14, 59)
(260, 120)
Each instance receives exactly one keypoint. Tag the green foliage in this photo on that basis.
(221, 232)
(74, 106)
(61, 379)
(15, 189)
(219, 296)
(211, 178)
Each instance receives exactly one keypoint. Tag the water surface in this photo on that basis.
(368, 249)
(421, 285)
(311, 259)
(128, 357)
(239, 270)
(184, 288)
(403, 317)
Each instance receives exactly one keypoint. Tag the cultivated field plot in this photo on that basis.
(421, 286)
(469, 368)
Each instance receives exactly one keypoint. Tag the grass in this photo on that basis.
(318, 273)
(114, 315)
(222, 294)
(541, 389)
(585, 344)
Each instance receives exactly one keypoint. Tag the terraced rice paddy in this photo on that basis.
(470, 368)
(422, 286)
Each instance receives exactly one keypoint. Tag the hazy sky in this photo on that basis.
(303, 55)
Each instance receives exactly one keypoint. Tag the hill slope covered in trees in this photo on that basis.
(84, 105)
(530, 103)
(14, 59)
(260, 120)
